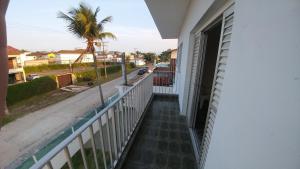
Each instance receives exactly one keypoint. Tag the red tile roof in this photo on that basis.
(12, 51)
(76, 51)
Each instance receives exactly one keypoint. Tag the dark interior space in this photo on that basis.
(207, 77)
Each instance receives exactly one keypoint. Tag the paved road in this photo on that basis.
(25, 135)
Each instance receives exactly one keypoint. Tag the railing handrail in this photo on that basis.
(52, 153)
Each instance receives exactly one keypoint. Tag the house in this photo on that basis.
(237, 76)
(15, 70)
(36, 58)
(70, 56)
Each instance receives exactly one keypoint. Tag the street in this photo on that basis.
(25, 135)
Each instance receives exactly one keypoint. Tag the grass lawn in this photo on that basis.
(44, 100)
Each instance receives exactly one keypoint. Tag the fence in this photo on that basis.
(105, 135)
(163, 81)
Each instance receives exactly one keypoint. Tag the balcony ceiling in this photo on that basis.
(168, 16)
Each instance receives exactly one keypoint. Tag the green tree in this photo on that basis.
(149, 57)
(165, 56)
(83, 23)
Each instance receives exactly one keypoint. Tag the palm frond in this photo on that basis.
(106, 20)
(104, 35)
(82, 22)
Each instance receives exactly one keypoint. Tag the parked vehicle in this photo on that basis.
(146, 69)
(32, 77)
(141, 72)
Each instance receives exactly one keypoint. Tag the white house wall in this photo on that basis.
(257, 125)
(196, 10)
(67, 58)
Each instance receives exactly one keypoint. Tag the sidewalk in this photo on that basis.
(26, 135)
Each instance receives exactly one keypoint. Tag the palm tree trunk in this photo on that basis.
(97, 74)
(79, 59)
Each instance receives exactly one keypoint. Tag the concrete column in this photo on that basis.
(3, 56)
(124, 75)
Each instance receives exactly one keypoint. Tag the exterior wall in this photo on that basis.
(15, 70)
(67, 58)
(36, 62)
(257, 125)
(174, 54)
(196, 10)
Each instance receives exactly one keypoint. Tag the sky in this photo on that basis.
(33, 25)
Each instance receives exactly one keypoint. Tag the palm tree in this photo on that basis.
(82, 22)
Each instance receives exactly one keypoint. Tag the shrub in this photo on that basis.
(91, 74)
(86, 76)
(41, 68)
(131, 65)
(22, 91)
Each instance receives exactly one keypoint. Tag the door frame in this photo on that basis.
(197, 144)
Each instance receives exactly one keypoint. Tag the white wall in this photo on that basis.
(196, 10)
(258, 122)
(66, 58)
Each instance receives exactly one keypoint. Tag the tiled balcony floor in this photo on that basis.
(163, 141)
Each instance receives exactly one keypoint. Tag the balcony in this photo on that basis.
(141, 129)
(163, 140)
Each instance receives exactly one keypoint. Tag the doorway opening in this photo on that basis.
(206, 77)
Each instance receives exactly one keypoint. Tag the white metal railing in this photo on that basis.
(106, 134)
(163, 82)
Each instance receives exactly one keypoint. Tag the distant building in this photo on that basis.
(15, 70)
(70, 56)
(173, 60)
(137, 60)
(36, 58)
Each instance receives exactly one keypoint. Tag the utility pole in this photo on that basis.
(105, 56)
(124, 69)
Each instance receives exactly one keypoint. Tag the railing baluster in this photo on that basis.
(49, 165)
(82, 151)
(102, 142)
(131, 110)
(109, 140)
(135, 106)
(94, 146)
(127, 117)
(68, 157)
(118, 126)
(114, 133)
(122, 123)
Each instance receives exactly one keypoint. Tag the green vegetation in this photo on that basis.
(165, 56)
(78, 162)
(43, 68)
(33, 104)
(91, 75)
(22, 91)
(149, 57)
(38, 102)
